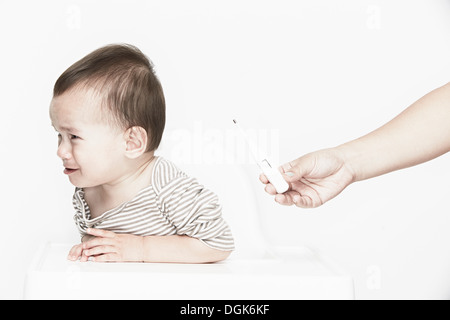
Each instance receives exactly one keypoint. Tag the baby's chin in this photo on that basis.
(83, 184)
(79, 182)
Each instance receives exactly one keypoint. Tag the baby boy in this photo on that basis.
(109, 111)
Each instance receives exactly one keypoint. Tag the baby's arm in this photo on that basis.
(418, 134)
(110, 246)
(180, 249)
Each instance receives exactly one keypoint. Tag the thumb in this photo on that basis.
(296, 169)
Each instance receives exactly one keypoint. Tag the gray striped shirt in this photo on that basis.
(174, 204)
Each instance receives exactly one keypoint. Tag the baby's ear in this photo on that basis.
(136, 142)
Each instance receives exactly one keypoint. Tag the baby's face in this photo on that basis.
(90, 148)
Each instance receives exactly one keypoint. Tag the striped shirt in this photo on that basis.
(173, 204)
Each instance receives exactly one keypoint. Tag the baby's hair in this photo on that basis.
(125, 79)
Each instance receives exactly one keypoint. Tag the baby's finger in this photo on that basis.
(100, 233)
(75, 252)
(108, 257)
(98, 250)
(97, 242)
(84, 257)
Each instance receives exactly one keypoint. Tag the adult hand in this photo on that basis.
(313, 179)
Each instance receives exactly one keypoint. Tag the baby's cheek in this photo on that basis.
(99, 163)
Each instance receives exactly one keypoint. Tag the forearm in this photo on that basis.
(418, 134)
(179, 249)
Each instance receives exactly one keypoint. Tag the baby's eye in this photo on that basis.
(72, 137)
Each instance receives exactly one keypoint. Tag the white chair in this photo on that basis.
(254, 271)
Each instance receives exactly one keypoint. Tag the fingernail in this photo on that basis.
(290, 174)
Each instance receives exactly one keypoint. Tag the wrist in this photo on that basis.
(350, 159)
(142, 249)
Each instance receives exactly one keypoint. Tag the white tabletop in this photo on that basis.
(289, 273)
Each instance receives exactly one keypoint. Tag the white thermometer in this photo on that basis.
(272, 173)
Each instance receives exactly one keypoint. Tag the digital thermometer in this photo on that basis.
(274, 176)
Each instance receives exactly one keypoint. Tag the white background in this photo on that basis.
(310, 74)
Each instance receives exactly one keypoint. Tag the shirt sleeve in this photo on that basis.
(195, 211)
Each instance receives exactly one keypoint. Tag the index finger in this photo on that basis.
(97, 242)
(100, 233)
(291, 171)
(263, 178)
(285, 167)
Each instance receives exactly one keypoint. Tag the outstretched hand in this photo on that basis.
(313, 179)
(107, 246)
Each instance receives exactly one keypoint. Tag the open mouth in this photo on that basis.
(69, 170)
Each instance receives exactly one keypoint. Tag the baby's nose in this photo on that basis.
(63, 152)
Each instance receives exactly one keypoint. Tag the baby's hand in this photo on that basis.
(77, 253)
(107, 246)
(77, 250)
